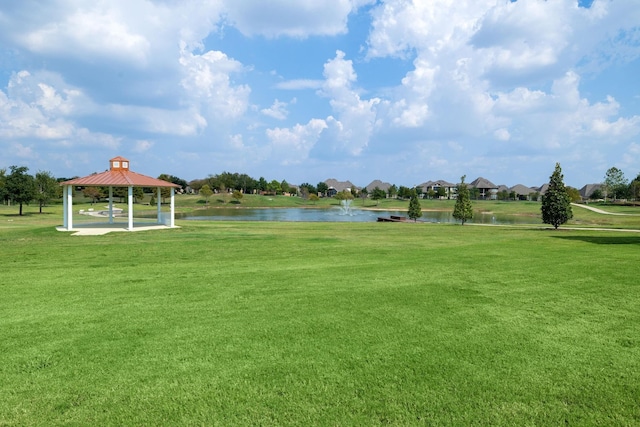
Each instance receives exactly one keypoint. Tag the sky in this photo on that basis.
(305, 90)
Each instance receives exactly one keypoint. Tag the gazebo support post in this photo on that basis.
(159, 204)
(65, 214)
(69, 206)
(130, 228)
(173, 205)
(110, 205)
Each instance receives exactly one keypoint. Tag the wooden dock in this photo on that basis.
(392, 218)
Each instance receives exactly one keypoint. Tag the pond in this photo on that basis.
(339, 215)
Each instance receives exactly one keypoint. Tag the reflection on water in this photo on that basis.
(338, 215)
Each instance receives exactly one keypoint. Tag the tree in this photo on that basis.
(237, 195)
(138, 194)
(20, 186)
(92, 193)
(404, 192)
(343, 195)
(441, 193)
(285, 187)
(614, 181)
(206, 192)
(415, 211)
(574, 194)
(364, 193)
(165, 191)
(262, 184)
(378, 194)
(474, 193)
(306, 189)
(463, 211)
(392, 191)
(3, 185)
(596, 195)
(322, 188)
(634, 188)
(274, 187)
(556, 203)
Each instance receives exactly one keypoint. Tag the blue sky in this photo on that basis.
(397, 90)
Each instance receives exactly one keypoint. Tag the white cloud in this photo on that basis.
(300, 84)
(278, 110)
(301, 19)
(207, 82)
(292, 146)
(356, 118)
(142, 145)
(502, 134)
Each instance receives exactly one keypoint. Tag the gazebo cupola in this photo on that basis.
(119, 164)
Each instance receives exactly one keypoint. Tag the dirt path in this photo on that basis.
(600, 211)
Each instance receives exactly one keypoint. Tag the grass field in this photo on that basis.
(318, 324)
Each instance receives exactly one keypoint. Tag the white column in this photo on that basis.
(159, 203)
(69, 207)
(173, 205)
(130, 208)
(65, 222)
(110, 205)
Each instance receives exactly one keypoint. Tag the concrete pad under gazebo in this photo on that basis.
(118, 175)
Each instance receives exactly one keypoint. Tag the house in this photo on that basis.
(450, 190)
(487, 190)
(522, 192)
(384, 186)
(587, 191)
(336, 186)
(543, 188)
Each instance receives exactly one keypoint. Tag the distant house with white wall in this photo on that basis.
(522, 192)
(449, 188)
(336, 186)
(487, 190)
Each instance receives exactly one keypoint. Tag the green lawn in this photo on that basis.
(319, 324)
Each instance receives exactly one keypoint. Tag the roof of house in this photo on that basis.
(118, 176)
(522, 190)
(438, 183)
(481, 182)
(339, 185)
(377, 183)
(588, 190)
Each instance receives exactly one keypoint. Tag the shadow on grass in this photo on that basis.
(604, 240)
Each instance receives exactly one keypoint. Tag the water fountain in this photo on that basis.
(345, 207)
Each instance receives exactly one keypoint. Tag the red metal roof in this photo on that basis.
(119, 178)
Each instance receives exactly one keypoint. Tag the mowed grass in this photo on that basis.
(320, 324)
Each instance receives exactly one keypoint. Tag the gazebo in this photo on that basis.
(118, 175)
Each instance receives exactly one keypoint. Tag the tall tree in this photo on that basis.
(378, 194)
(614, 183)
(20, 186)
(364, 193)
(46, 188)
(392, 191)
(463, 211)
(322, 188)
(556, 203)
(3, 185)
(415, 211)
